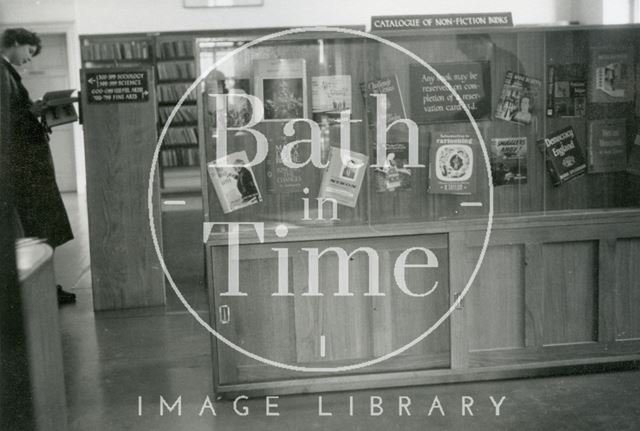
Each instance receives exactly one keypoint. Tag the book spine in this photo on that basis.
(551, 75)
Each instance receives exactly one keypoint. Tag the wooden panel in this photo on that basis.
(499, 286)
(534, 295)
(627, 293)
(119, 142)
(570, 302)
(258, 322)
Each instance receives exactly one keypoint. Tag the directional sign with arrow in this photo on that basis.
(122, 86)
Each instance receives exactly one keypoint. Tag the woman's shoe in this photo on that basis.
(65, 297)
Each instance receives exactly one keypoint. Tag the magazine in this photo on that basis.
(518, 100)
(568, 90)
(509, 161)
(236, 185)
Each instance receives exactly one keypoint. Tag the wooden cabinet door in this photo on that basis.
(330, 330)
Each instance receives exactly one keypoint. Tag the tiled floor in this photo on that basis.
(112, 358)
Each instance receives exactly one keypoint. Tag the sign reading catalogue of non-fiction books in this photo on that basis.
(117, 87)
(432, 102)
(432, 22)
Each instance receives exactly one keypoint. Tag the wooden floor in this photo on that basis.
(113, 358)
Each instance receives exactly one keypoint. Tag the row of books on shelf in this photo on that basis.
(281, 84)
(179, 157)
(174, 71)
(176, 49)
(451, 168)
(186, 114)
(181, 136)
(173, 92)
(125, 50)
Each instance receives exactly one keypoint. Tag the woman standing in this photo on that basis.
(37, 198)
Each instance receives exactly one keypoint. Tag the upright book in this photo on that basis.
(518, 100)
(342, 179)
(611, 75)
(633, 160)
(564, 156)
(239, 110)
(281, 84)
(395, 104)
(607, 150)
(451, 167)
(330, 93)
(235, 185)
(509, 161)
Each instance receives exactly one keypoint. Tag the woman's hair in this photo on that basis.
(21, 36)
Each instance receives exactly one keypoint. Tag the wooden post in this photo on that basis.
(119, 115)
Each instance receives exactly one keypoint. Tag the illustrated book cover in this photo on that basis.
(451, 166)
(236, 185)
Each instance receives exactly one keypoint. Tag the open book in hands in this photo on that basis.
(58, 108)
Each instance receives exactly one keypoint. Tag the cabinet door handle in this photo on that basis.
(455, 298)
(225, 314)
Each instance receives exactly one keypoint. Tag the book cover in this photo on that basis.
(607, 149)
(239, 109)
(393, 175)
(518, 100)
(330, 93)
(281, 84)
(279, 177)
(633, 160)
(235, 186)
(564, 156)
(610, 75)
(395, 104)
(58, 108)
(342, 179)
(568, 90)
(451, 167)
(508, 157)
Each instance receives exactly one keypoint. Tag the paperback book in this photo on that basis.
(607, 149)
(509, 161)
(610, 75)
(342, 179)
(518, 100)
(567, 96)
(281, 84)
(451, 167)
(393, 175)
(235, 185)
(395, 104)
(564, 156)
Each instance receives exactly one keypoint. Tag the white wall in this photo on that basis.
(101, 16)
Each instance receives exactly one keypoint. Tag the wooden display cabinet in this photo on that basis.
(557, 287)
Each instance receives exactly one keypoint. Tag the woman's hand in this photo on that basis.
(38, 107)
